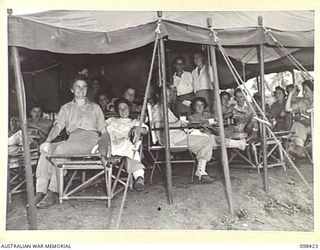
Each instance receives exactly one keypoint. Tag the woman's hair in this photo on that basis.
(225, 93)
(281, 89)
(179, 58)
(201, 54)
(200, 99)
(238, 90)
(102, 93)
(82, 67)
(79, 77)
(128, 86)
(308, 83)
(290, 86)
(119, 101)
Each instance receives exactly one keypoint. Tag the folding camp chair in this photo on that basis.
(308, 144)
(275, 155)
(16, 176)
(155, 149)
(85, 162)
(253, 157)
(237, 157)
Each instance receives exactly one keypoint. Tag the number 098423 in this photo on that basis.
(308, 246)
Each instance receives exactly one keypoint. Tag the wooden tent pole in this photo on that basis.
(166, 120)
(293, 77)
(25, 138)
(224, 155)
(263, 108)
(258, 85)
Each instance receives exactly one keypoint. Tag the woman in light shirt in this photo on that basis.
(202, 85)
(182, 80)
(118, 132)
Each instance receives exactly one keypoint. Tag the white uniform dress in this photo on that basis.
(119, 129)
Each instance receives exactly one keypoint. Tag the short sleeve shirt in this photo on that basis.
(201, 80)
(175, 135)
(184, 83)
(87, 117)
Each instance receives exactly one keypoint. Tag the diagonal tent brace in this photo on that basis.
(286, 53)
(143, 110)
(240, 82)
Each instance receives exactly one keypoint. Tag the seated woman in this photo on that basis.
(301, 127)
(93, 90)
(201, 145)
(226, 107)
(119, 130)
(84, 122)
(129, 94)
(277, 111)
(245, 126)
(103, 102)
(199, 115)
(38, 130)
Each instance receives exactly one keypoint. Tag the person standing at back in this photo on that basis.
(202, 85)
(182, 80)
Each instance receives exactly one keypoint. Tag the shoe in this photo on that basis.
(242, 144)
(206, 179)
(50, 199)
(37, 198)
(139, 184)
(252, 138)
(297, 151)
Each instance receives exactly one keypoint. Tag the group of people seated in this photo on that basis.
(287, 113)
(97, 94)
(194, 91)
(86, 126)
(108, 105)
(201, 143)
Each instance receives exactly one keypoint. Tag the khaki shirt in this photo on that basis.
(87, 117)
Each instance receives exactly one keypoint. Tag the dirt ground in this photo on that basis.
(288, 206)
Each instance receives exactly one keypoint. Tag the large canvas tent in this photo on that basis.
(105, 32)
(65, 36)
